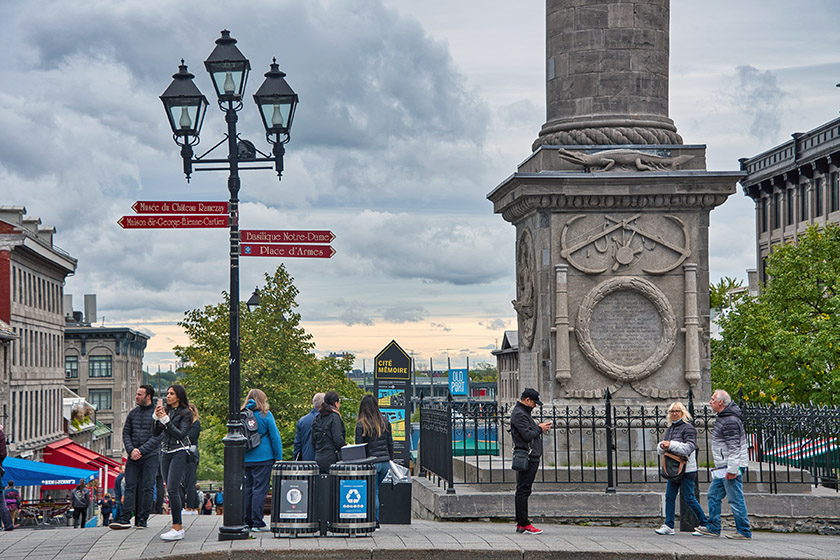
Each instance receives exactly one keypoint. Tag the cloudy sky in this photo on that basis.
(410, 113)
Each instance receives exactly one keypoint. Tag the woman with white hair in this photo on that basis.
(680, 439)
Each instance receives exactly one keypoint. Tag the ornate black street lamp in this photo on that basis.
(185, 107)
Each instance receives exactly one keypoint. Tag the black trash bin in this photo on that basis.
(353, 497)
(294, 502)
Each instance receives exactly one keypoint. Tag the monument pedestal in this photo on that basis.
(612, 270)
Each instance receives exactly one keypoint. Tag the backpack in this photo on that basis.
(251, 428)
(220, 499)
(208, 505)
(79, 498)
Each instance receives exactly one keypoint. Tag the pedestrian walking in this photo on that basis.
(119, 490)
(142, 465)
(729, 452)
(190, 495)
(375, 431)
(207, 504)
(526, 435)
(80, 500)
(172, 422)
(219, 498)
(303, 450)
(5, 515)
(328, 432)
(680, 439)
(12, 498)
(259, 460)
(106, 506)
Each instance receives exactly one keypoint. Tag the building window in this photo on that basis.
(803, 202)
(818, 198)
(789, 206)
(834, 189)
(762, 210)
(100, 366)
(100, 398)
(71, 367)
(777, 210)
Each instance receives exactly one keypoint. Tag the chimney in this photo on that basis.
(45, 234)
(90, 308)
(68, 305)
(31, 224)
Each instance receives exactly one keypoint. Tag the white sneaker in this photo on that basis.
(664, 530)
(173, 535)
(189, 512)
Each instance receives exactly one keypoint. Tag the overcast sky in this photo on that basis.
(410, 113)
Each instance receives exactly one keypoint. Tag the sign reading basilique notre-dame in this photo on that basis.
(391, 386)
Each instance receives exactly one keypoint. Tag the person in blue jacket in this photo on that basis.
(258, 461)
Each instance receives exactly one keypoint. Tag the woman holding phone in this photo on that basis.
(173, 420)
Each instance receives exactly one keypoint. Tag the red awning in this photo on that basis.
(70, 454)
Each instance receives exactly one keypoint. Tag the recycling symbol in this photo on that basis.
(353, 496)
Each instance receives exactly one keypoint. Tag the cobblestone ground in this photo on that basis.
(420, 540)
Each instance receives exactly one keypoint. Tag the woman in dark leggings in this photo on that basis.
(173, 421)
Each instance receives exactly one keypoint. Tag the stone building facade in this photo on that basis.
(104, 365)
(794, 185)
(507, 368)
(32, 275)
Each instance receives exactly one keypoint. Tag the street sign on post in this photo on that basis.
(286, 236)
(178, 207)
(303, 251)
(173, 221)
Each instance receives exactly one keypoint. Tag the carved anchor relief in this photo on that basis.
(614, 243)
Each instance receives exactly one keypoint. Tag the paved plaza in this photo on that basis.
(420, 540)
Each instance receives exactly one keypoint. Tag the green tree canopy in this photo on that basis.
(483, 371)
(276, 355)
(783, 345)
(719, 293)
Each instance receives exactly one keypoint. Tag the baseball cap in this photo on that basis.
(531, 394)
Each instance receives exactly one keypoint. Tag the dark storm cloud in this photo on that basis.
(760, 97)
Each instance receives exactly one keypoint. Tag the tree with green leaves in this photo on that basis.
(782, 346)
(719, 293)
(276, 355)
(483, 372)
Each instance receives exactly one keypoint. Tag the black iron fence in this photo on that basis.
(608, 445)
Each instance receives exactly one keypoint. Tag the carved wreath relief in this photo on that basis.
(626, 328)
(596, 244)
(525, 302)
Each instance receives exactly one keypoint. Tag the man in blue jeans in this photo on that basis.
(729, 451)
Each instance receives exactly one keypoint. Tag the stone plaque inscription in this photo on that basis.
(626, 328)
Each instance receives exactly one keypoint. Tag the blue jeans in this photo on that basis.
(257, 481)
(686, 488)
(381, 472)
(734, 491)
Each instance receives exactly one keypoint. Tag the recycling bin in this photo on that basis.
(294, 503)
(352, 492)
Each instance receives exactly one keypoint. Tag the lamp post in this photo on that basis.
(185, 107)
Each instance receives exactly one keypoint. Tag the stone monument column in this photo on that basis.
(611, 212)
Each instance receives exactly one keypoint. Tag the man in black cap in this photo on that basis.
(527, 435)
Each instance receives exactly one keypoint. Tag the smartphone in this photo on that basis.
(160, 403)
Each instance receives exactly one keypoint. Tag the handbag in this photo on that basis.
(520, 460)
(673, 467)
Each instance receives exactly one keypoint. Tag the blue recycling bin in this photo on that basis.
(353, 498)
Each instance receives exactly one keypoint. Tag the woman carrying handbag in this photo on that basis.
(680, 439)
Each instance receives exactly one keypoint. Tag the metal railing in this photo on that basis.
(611, 446)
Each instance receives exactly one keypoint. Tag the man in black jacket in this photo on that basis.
(143, 449)
(527, 435)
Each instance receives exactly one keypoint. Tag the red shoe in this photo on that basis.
(528, 530)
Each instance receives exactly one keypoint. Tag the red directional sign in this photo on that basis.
(171, 221)
(305, 251)
(286, 236)
(170, 207)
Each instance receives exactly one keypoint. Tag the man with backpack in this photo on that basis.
(220, 501)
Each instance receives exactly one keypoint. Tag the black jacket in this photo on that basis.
(327, 438)
(195, 431)
(138, 432)
(525, 432)
(381, 447)
(175, 432)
